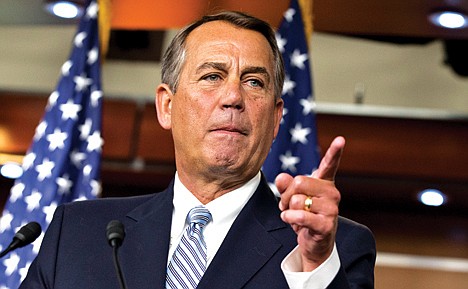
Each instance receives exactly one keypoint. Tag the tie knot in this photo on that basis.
(199, 215)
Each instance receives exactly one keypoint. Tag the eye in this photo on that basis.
(255, 83)
(212, 77)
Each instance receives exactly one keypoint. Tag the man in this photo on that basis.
(220, 97)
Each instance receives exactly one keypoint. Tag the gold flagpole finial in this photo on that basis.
(104, 20)
(307, 17)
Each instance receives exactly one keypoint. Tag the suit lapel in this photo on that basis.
(248, 244)
(145, 248)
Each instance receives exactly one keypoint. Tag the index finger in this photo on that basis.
(330, 162)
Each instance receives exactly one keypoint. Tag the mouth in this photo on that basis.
(230, 130)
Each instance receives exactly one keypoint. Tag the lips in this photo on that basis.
(232, 129)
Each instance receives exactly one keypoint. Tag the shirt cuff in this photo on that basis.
(319, 278)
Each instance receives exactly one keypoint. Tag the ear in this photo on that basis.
(278, 114)
(163, 103)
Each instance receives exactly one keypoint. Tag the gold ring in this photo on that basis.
(308, 203)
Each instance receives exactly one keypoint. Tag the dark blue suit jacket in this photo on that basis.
(75, 252)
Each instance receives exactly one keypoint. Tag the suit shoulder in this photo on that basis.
(105, 206)
(347, 225)
(353, 237)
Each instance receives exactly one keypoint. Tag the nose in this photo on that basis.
(233, 96)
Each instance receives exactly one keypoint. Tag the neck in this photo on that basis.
(206, 190)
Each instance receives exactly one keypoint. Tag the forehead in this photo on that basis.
(217, 38)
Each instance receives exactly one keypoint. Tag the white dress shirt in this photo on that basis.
(224, 210)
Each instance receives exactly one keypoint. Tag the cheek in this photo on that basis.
(189, 113)
(265, 123)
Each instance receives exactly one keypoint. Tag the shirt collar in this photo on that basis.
(228, 206)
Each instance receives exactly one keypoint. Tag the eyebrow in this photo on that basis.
(257, 70)
(222, 67)
(215, 65)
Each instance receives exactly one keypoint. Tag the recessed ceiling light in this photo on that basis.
(64, 9)
(11, 170)
(432, 197)
(449, 19)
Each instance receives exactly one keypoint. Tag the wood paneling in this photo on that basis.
(19, 116)
(404, 278)
(386, 162)
(376, 146)
(21, 113)
(154, 143)
(118, 128)
(399, 147)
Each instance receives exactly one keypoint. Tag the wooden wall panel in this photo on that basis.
(19, 116)
(118, 128)
(399, 147)
(154, 143)
(404, 278)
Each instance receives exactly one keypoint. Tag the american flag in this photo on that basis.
(63, 162)
(295, 149)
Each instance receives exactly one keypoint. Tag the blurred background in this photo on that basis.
(385, 76)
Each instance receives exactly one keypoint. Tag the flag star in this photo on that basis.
(289, 14)
(77, 157)
(5, 221)
(66, 68)
(95, 142)
(82, 82)
(92, 55)
(92, 10)
(33, 200)
(11, 263)
(298, 59)
(49, 211)
(57, 139)
(40, 130)
(308, 105)
(299, 134)
(17, 192)
(37, 244)
(64, 137)
(80, 198)
(24, 271)
(96, 95)
(281, 42)
(79, 38)
(85, 129)
(288, 86)
(87, 170)
(289, 162)
(28, 160)
(52, 100)
(64, 184)
(95, 188)
(23, 223)
(44, 170)
(285, 112)
(70, 110)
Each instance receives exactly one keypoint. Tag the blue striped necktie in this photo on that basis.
(188, 262)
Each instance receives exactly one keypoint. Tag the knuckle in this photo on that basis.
(296, 201)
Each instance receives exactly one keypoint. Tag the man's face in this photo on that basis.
(224, 115)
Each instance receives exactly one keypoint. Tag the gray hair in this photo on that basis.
(174, 57)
